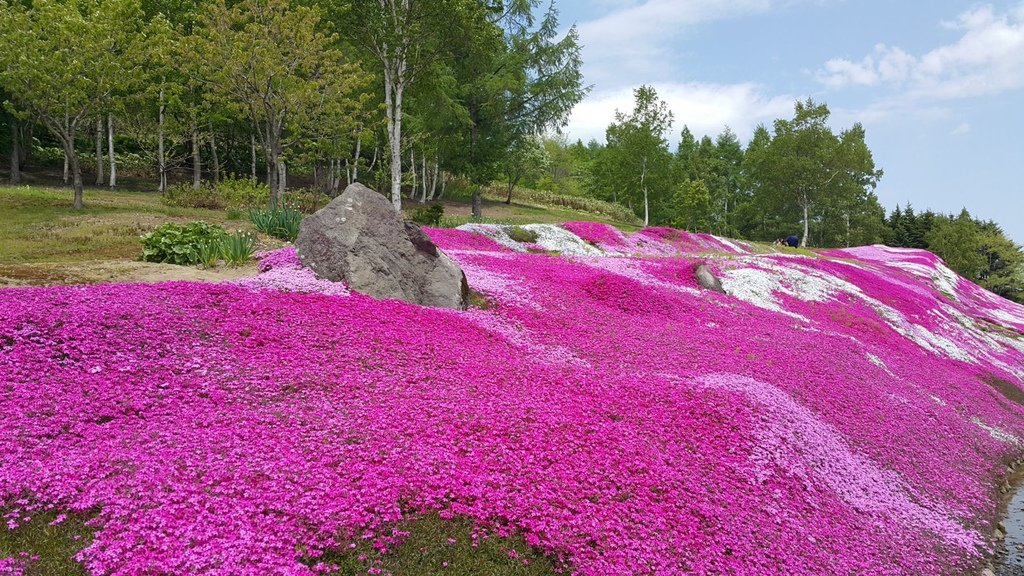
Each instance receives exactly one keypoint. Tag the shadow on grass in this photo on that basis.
(44, 544)
(430, 545)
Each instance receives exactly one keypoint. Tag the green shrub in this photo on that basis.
(238, 248)
(282, 223)
(186, 196)
(233, 214)
(209, 252)
(232, 193)
(428, 215)
(180, 243)
(610, 210)
(306, 200)
(242, 193)
(520, 234)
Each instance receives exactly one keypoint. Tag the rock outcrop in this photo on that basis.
(359, 239)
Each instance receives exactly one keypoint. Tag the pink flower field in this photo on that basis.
(851, 413)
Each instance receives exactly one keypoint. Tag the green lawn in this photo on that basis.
(39, 224)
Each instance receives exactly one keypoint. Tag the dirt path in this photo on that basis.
(113, 271)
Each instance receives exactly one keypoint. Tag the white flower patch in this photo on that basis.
(496, 285)
(759, 285)
(944, 279)
(632, 269)
(557, 239)
(549, 353)
(997, 433)
(879, 362)
(495, 233)
(732, 245)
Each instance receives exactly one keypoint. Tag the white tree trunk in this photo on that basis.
(412, 170)
(252, 146)
(213, 157)
(197, 162)
(803, 241)
(161, 158)
(643, 185)
(394, 87)
(110, 150)
(99, 151)
(355, 164)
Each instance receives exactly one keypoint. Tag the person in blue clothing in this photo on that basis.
(792, 241)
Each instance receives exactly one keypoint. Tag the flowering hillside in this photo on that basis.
(851, 413)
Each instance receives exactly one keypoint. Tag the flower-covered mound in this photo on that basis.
(850, 413)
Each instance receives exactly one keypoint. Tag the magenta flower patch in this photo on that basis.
(847, 414)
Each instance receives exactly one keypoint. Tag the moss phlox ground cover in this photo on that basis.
(832, 414)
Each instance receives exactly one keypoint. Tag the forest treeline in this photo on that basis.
(332, 90)
(796, 177)
(414, 98)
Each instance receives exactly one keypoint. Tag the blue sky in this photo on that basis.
(938, 85)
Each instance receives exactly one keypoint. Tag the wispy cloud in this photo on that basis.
(705, 108)
(960, 130)
(988, 58)
(632, 43)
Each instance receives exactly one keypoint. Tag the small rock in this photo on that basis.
(706, 279)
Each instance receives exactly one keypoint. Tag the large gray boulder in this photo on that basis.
(359, 239)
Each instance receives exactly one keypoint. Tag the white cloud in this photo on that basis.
(705, 108)
(962, 129)
(632, 43)
(987, 59)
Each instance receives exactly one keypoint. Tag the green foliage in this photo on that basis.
(428, 215)
(54, 542)
(208, 253)
(307, 200)
(271, 60)
(279, 222)
(181, 243)
(520, 234)
(804, 174)
(232, 193)
(433, 546)
(636, 165)
(693, 201)
(610, 210)
(63, 61)
(237, 248)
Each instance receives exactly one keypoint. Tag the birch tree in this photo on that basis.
(636, 159)
(403, 38)
(808, 167)
(269, 60)
(62, 61)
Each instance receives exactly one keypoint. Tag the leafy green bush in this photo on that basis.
(180, 243)
(306, 200)
(186, 196)
(282, 223)
(428, 215)
(209, 252)
(610, 210)
(238, 248)
(242, 193)
(232, 193)
(520, 234)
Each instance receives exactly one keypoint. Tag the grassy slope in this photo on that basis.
(40, 225)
